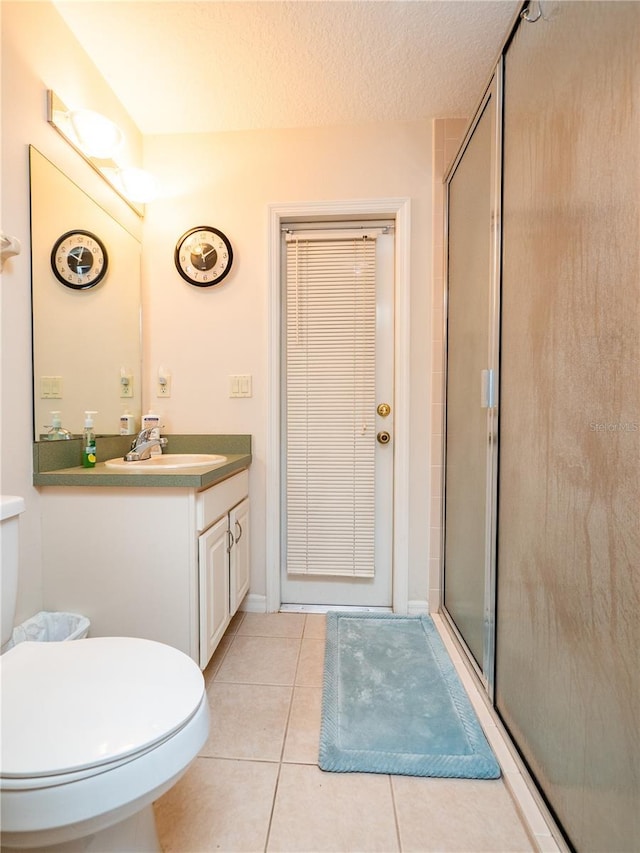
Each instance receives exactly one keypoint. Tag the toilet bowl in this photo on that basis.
(92, 732)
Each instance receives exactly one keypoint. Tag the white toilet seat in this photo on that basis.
(81, 706)
(138, 714)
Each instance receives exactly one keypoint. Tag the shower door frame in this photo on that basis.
(486, 672)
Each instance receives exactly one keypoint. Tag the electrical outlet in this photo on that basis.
(126, 386)
(164, 386)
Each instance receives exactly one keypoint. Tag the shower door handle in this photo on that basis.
(487, 395)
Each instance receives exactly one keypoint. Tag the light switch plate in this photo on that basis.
(240, 385)
(51, 387)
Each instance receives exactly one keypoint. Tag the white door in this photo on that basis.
(239, 566)
(326, 582)
(213, 563)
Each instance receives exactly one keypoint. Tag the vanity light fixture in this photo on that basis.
(137, 184)
(98, 140)
(96, 135)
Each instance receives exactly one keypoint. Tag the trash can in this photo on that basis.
(54, 627)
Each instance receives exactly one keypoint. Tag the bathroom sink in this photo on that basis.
(167, 462)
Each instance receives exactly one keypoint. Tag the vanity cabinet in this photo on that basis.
(168, 564)
(223, 560)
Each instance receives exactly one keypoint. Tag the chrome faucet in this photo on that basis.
(142, 445)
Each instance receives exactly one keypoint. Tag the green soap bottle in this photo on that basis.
(88, 441)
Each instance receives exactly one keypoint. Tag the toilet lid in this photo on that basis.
(70, 706)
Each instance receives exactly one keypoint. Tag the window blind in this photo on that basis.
(330, 404)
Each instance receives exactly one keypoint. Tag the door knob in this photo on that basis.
(384, 409)
(383, 437)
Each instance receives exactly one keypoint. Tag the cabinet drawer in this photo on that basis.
(215, 502)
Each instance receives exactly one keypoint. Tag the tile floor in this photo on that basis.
(256, 786)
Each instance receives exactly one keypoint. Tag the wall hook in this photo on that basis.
(9, 246)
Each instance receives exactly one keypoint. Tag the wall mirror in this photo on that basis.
(87, 329)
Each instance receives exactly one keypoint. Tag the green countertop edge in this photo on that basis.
(57, 463)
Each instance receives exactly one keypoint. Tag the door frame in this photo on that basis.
(486, 673)
(400, 210)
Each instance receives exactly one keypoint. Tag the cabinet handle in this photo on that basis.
(238, 535)
(231, 541)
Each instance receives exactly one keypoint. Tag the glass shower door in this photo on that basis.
(471, 387)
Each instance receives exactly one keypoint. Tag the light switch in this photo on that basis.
(240, 385)
(51, 387)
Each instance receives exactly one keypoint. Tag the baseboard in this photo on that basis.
(417, 607)
(254, 603)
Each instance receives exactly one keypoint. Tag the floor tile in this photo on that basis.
(247, 721)
(339, 812)
(218, 805)
(457, 815)
(311, 664)
(260, 660)
(315, 626)
(272, 625)
(236, 620)
(303, 732)
(218, 656)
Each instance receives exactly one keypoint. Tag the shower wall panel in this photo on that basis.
(568, 641)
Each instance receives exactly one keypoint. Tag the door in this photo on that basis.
(239, 565)
(568, 640)
(338, 402)
(471, 389)
(214, 587)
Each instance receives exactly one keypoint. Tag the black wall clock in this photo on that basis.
(203, 256)
(79, 259)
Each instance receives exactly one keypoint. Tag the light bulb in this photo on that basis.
(137, 184)
(97, 136)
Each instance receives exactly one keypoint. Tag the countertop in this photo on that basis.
(53, 462)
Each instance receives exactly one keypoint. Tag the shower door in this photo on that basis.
(568, 614)
(471, 385)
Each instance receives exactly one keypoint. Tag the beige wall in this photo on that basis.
(202, 336)
(205, 334)
(38, 53)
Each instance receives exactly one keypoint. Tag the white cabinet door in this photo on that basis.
(214, 587)
(239, 554)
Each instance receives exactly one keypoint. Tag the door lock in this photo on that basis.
(384, 409)
(383, 437)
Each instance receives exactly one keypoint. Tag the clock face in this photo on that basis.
(79, 259)
(203, 256)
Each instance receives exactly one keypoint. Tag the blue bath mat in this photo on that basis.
(392, 702)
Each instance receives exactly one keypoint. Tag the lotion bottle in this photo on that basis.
(127, 423)
(88, 441)
(152, 421)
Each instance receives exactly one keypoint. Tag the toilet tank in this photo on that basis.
(10, 509)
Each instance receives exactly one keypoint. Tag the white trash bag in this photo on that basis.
(53, 627)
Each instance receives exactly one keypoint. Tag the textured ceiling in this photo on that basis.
(190, 67)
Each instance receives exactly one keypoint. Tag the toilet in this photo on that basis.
(93, 731)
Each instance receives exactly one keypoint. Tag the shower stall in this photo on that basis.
(541, 558)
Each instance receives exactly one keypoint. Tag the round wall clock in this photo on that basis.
(203, 256)
(79, 259)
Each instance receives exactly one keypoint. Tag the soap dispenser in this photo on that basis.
(152, 421)
(127, 423)
(56, 432)
(88, 441)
